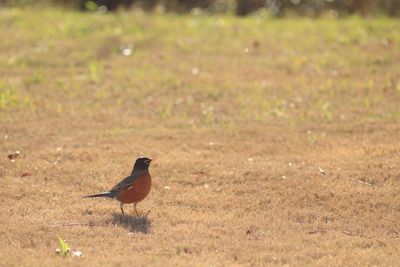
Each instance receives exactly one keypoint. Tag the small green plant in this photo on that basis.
(165, 111)
(367, 102)
(398, 88)
(35, 78)
(311, 137)
(326, 111)
(64, 247)
(94, 71)
(7, 98)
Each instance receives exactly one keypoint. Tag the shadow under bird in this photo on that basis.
(133, 188)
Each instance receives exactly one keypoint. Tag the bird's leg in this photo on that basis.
(134, 207)
(122, 208)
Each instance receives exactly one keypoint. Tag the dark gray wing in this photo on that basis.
(127, 182)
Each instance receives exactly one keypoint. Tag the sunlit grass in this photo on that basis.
(276, 139)
(294, 70)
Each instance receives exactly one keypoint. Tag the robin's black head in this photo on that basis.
(142, 163)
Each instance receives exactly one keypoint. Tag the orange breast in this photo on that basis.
(137, 191)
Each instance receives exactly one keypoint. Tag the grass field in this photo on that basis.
(277, 141)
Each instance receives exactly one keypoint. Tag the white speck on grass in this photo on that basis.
(127, 51)
(195, 71)
(77, 254)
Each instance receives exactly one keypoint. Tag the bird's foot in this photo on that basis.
(142, 217)
(146, 214)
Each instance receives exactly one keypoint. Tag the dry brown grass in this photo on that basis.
(240, 146)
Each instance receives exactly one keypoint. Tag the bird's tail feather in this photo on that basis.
(104, 194)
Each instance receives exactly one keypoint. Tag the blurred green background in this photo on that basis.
(240, 7)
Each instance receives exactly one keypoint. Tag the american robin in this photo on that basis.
(133, 188)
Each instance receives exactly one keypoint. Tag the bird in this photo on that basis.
(133, 188)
